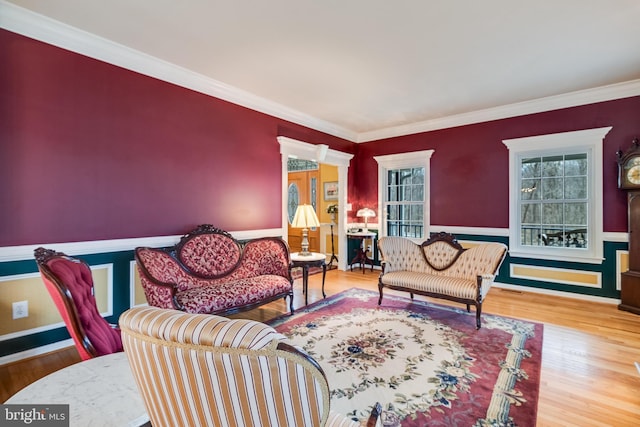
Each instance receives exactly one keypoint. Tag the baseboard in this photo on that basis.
(38, 351)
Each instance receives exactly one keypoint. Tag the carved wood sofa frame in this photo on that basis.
(209, 271)
(440, 268)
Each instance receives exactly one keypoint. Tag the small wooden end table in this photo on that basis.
(361, 253)
(314, 259)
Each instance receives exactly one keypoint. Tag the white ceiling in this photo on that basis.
(366, 69)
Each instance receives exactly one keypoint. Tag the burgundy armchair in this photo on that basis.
(70, 284)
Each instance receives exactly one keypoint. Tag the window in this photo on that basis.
(404, 202)
(403, 193)
(556, 196)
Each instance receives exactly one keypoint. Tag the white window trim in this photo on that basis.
(584, 140)
(398, 161)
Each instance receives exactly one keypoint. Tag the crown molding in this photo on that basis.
(572, 99)
(42, 28)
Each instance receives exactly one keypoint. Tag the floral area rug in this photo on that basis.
(425, 363)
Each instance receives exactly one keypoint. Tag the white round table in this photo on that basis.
(99, 392)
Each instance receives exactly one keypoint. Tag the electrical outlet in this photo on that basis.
(20, 309)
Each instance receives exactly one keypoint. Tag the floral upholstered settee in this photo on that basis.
(441, 268)
(208, 271)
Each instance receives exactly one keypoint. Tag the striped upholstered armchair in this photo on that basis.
(206, 370)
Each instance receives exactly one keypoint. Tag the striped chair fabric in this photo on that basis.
(206, 370)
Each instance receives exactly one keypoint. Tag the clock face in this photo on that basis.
(632, 168)
(633, 174)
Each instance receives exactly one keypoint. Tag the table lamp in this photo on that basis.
(304, 218)
(366, 213)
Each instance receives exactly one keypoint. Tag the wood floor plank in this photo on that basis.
(588, 377)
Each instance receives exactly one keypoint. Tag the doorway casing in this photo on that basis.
(320, 153)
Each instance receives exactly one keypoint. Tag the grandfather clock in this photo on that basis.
(629, 179)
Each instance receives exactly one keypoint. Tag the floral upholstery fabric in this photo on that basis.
(224, 276)
(208, 298)
(210, 255)
(263, 256)
(208, 370)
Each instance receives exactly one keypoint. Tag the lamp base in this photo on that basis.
(305, 243)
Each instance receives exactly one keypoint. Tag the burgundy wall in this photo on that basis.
(90, 151)
(470, 165)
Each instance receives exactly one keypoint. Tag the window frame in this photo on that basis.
(413, 159)
(588, 141)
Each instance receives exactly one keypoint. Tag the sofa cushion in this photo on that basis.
(437, 284)
(230, 294)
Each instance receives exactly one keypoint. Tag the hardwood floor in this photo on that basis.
(588, 375)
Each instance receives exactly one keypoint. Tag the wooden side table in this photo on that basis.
(361, 253)
(314, 259)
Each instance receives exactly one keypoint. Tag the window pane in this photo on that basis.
(314, 191)
(405, 213)
(575, 188)
(552, 188)
(530, 189)
(576, 238)
(418, 176)
(392, 212)
(552, 213)
(530, 214)
(392, 178)
(405, 193)
(392, 193)
(417, 213)
(552, 166)
(553, 236)
(575, 164)
(530, 167)
(530, 235)
(575, 214)
(405, 176)
(293, 193)
(417, 192)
